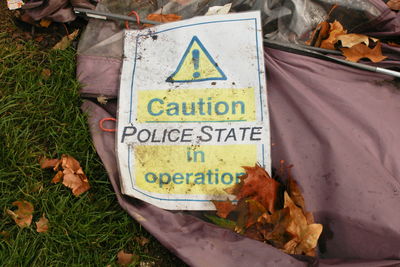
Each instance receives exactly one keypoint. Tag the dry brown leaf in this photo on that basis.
(77, 182)
(46, 73)
(223, 208)
(102, 99)
(255, 211)
(351, 39)
(23, 215)
(393, 44)
(57, 178)
(295, 193)
(164, 17)
(125, 259)
(45, 23)
(65, 42)
(48, 163)
(42, 226)
(309, 239)
(142, 240)
(394, 4)
(68, 162)
(360, 51)
(5, 234)
(258, 185)
(305, 236)
(336, 30)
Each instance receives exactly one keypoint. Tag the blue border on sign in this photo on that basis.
(131, 97)
(196, 39)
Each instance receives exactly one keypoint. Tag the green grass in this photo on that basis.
(41, 116)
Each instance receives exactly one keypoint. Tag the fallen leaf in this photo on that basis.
(23, 215)
(68, 162)
(295, 193)
(321, 32)
(46, 73)
(309, 239)
(65, 42)
(142, 240)
(42, 226)
(125, 259)
(72, 174)
(279, 222)
(224, 223)
(48, 163)
(39, 38)
(164, 17)
(352, 39)
(255, 210)
(360, 51)
(45, 23)
(305, 236)
(394, 44)
(259, 186)
(102, 100)
(394, 4)
(336, 29)
(76, 181)
(57, 178)
(223, 208)
(5, 234)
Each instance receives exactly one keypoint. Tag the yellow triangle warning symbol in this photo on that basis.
(196, 65)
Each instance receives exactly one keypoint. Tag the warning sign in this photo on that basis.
(192, 110)
(196, 65)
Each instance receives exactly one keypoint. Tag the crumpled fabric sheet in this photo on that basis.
(55, 10)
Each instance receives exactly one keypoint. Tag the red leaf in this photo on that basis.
(261, 187)
(223, 208)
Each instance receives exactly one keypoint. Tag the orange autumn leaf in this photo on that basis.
(57, 178)
(23, 215)
(72, 174)
(68, 162)
(336, 30)
(78, 182)
(360, 51)
(48, 163)
(163, 18)
(258, 185)
(223, 208)
(42, 226)
(393, 44)
(125, 259)
(394, 4)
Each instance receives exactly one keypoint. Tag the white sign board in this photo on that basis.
(192, 110)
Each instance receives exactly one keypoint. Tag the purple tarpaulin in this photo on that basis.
(336, 124)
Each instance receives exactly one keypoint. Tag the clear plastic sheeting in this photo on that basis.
(283, 20)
